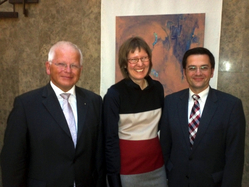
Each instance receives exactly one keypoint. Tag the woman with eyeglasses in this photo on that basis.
(131, 113)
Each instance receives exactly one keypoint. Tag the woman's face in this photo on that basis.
(138, 64)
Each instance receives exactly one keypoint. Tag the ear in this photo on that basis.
(47, 64)
(184, 72)
(212, 72)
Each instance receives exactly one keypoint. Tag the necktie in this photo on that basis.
(194, 119)
(68, 112)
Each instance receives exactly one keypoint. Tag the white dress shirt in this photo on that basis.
(203, 97)
(71, 100)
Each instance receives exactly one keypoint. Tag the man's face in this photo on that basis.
(65, 68)
(198, 72)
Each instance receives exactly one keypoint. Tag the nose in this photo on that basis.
(68, 68)
(139, 63)
(198, 71)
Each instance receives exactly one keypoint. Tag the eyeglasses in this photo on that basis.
(136, 60)
(201, 68)
(63, 66)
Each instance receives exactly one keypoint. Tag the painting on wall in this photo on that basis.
(169, 37)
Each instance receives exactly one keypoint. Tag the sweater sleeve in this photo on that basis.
(112, 151)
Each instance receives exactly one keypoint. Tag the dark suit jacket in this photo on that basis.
(38, 150)
(217, 156)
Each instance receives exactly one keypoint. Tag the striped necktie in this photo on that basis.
(194, 119)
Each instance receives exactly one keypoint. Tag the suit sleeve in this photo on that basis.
(100, 156)
(14, 152)
(165, 135)
(112, 150)
(235, 143)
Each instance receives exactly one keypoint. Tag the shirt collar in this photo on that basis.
(58, 91)
(130, 82)
(202, 94)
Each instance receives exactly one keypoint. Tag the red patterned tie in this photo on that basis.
(195, 117)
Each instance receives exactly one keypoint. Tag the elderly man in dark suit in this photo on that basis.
(42, 146)
(203, 136)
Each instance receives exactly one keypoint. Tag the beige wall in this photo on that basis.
(25, 41)
(234, 47)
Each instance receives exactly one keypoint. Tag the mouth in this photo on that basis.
(139, 70)
(65, 77)
(198, 79)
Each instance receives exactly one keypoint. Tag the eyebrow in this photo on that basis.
(198, 66)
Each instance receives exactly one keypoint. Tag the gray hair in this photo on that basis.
(60, 44)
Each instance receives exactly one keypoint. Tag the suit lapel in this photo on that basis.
(208, 112)
(82, 106)
(52, 104)
(183, 116)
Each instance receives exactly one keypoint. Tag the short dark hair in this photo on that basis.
(198, 51)
(130, 45)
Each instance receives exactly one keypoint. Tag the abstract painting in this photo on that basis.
(169, 37)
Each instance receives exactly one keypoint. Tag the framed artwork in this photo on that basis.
(169, 37)
(170, 27)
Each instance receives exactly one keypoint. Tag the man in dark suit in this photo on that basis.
(206, 149)
(39, 150)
